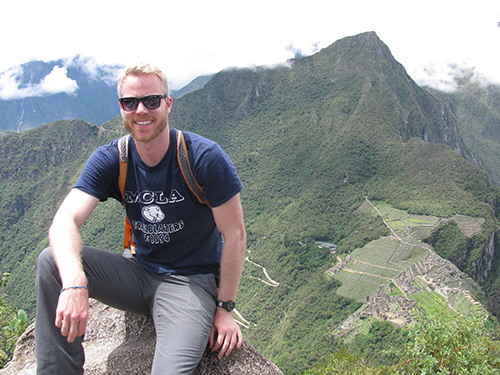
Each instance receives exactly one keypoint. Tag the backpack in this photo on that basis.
(184, 165)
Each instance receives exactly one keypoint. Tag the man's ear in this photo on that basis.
(169, 102)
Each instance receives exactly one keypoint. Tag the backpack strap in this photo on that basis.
(187, 172)
(122, 144)
(123, 151)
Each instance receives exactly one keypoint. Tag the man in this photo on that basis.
(179, 252)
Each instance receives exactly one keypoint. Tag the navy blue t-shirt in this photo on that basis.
(172, 231)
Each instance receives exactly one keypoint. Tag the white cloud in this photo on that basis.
(94, 70)
(55, 82)
(445, 76)
(8, 83)
(87, 64)
(440, 76)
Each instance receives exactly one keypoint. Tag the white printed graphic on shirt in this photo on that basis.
(153, 213)
(158, 233)
(150, 197)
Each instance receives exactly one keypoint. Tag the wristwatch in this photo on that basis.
(229, 305)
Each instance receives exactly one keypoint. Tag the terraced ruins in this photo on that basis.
(393, 274)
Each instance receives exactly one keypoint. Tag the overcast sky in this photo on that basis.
(188, 38)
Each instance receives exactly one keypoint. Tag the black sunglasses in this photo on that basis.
(150, 102)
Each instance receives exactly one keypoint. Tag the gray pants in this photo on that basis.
(182, 308)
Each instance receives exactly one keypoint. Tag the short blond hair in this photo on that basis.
(141, 69)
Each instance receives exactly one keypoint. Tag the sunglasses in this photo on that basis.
(150, 102)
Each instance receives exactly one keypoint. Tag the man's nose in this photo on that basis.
(141, 108)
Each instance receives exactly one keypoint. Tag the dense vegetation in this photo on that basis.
(12, 325)
(437, 343)
(310, 142)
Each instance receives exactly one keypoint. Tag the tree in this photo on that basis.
(12, 325)
(342, 362)
(443, 342)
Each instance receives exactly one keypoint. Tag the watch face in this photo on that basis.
(229, 306)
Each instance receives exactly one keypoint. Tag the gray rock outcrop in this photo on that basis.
(123, 343)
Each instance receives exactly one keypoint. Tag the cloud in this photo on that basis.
(95, 71)
(87, 64)
(55, 82)
(448, 76)
(299, 52)
(8, 83)
(436, 75)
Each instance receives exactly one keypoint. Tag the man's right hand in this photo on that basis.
(72, 312)
(65, 241)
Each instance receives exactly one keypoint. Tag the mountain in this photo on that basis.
(476, 106)
(196, 84)
(343, 156)
(39, 92)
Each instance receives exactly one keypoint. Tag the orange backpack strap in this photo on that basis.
(123, 150)
(187, 172)
(122, 144)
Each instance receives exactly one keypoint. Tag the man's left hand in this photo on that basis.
(228, 333)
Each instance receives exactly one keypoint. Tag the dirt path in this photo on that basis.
(270, 281)
(385, 222)
(376, 265)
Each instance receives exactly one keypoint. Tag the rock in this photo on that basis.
(123, 343)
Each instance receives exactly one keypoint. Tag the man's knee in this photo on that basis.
(45, 257)
(45, 263)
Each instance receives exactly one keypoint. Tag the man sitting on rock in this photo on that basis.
(182, 250)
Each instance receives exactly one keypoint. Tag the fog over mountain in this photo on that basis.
(37, 79)
(38, 92)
